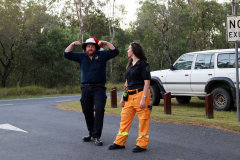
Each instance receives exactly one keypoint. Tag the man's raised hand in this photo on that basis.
(70, 47)
(110, 46)
(76, 43)
(100, 43)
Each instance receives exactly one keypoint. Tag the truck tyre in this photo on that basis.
(155, 95)
(201, 97)
(222, 99)
(183, 99)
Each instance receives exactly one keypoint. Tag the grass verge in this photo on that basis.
(38, 91)
(192, 113)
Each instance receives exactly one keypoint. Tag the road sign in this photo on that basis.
(233, 35)
(233, 28)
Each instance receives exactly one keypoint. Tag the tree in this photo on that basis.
(110, 9)
(192, 10)
(208, 23)
(18, 24)
(162, 20)
(49, 68)
(80, 5)
(111, 31)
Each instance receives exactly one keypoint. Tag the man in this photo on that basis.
(93, 79)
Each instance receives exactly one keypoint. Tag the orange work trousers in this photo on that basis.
(128, 112)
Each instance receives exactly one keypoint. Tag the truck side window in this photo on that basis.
(204, 61)
(184, 63)
(227, 60)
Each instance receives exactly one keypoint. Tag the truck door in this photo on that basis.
(178, 80)
(202, 72)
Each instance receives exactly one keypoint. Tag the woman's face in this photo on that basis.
(130, 52)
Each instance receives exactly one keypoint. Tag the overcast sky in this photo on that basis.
(131, 6)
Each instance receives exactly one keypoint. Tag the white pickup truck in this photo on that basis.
(197, 74)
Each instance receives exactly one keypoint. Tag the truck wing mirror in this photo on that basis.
(171, 67)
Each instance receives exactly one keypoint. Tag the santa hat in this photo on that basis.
(94, 41)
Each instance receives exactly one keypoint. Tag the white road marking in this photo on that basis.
(10, 127)
(6, 104)
(63, 101)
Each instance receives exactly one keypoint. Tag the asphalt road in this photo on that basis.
(48, 133)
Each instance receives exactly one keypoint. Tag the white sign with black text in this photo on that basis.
(233, 28)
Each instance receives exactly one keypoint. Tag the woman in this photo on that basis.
(137, 82)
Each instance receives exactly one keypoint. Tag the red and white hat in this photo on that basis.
(94, 41)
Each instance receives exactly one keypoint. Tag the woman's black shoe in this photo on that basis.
(138, 149)
(115, 146)
(87, 138)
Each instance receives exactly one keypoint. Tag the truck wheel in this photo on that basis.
(222, 99)
(183, 99)
(155, 95)
(201, 98)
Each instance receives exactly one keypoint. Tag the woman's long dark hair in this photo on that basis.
(137, 51)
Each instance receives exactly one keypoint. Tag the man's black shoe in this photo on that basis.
(138, 149)
(97, 141)
(115, 146)
(87, 138)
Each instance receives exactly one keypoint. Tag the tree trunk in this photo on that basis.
(191, 42)
(23, 75)
(233, 4)
(81, 19)
(4, 83)
(7, 71)
(191, 34)
(111, 27)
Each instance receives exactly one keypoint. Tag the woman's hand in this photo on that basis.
(142, 103)
(122, 102)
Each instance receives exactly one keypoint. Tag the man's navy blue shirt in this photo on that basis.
(92, 71)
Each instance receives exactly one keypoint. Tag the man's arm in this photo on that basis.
(71, 55)
(112, 52)
(110, 46)
(70, 47)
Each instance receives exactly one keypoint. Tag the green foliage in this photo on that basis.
(33, 40)
(70, 89)
(110, 86)
(19, 24)
(32, 90)
(165, 29)
(29, 90)
(41, 91)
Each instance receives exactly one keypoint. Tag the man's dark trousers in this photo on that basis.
(93, 95)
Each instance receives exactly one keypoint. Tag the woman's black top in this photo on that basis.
(136, 74)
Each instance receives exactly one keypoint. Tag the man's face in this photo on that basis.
(91, 49)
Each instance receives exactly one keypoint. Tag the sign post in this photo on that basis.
(233, 35)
